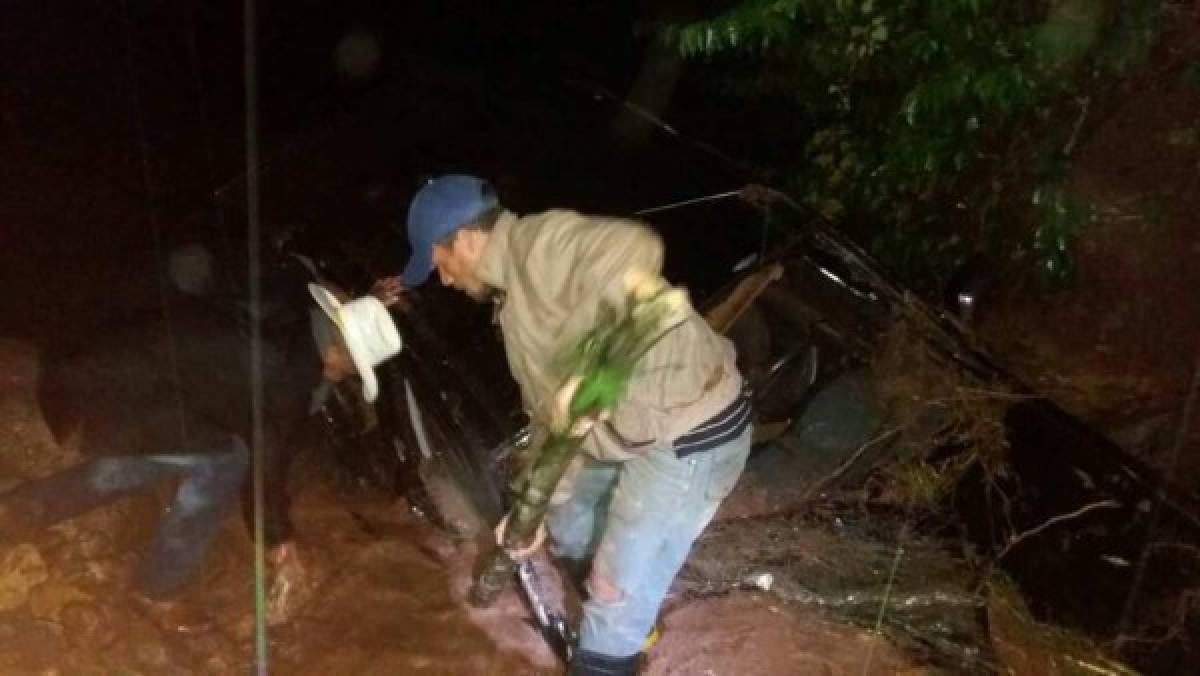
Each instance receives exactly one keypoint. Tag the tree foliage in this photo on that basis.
(932, 127)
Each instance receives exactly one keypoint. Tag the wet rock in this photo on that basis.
(21, 569)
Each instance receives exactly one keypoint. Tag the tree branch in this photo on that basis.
(1016, 539)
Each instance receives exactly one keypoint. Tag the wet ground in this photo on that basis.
(387, 594)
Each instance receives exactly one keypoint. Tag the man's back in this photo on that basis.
(559, 270)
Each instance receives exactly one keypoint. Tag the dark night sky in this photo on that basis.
(122, 116)
(95, 86)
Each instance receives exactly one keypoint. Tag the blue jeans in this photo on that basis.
(208, 487)
(637, 521)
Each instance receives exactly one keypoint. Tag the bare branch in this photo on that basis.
(1084, 102)
(854, 458)
(1016, 539)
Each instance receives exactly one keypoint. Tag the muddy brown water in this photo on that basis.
(387, 594)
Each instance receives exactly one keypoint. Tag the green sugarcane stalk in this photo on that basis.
(526, 515)
(605, 360)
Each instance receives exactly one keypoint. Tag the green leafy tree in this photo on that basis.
(932, 128)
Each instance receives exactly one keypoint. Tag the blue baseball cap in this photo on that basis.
(440, 207)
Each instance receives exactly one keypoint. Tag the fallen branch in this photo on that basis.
(849, 462)
(990, 394)
(1084, 102)
(1112, 669)
(1016, 539)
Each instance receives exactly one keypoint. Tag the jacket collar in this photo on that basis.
(491, 269)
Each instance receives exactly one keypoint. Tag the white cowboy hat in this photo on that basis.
(368, 331)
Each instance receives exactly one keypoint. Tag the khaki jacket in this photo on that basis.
(555, 271)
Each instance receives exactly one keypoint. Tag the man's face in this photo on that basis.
(456, 263)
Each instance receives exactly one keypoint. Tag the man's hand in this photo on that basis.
(520, 555)
(562, 411)
(388, 290)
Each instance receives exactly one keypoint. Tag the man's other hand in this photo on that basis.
(389, 290)
(525, 552)
(561, 413)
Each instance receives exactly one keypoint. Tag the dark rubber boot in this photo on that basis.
(587, 663)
